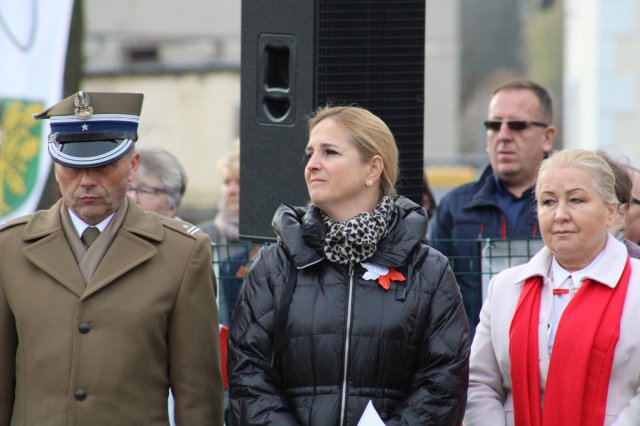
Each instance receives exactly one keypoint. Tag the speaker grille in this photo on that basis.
(371, 53)
(362, 52)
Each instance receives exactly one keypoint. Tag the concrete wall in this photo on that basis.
(193, 115)
(191, 85)
(184, 32)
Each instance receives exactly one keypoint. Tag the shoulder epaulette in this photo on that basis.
(13, 222)
(180, 226)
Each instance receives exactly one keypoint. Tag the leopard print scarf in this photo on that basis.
(356, 239)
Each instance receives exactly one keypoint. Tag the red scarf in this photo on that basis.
(582, 358)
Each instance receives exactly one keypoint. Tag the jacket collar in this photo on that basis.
(137, 221)
(485, 189)
(409, 228)
(48, 249)
(607, 270)
(302, 231)
(142, 223)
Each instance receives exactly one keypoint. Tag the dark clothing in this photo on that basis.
(232, 271)
(405, 348)
(229, 256)
(509, 203)
(464, 216)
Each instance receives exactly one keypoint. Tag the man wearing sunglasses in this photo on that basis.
(632, 218)
(499, 205)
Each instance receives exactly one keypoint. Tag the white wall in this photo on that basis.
(442, 80)
(602, 76)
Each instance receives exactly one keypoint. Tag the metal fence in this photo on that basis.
(488, 257)
(232, 261)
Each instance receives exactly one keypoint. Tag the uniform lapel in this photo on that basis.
(51, 252)
(126, 252)
(130, 248)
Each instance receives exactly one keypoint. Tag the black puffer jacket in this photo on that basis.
(348, 340)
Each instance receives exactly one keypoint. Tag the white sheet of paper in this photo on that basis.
(370, 417)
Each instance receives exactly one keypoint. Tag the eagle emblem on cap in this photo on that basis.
(83, 109)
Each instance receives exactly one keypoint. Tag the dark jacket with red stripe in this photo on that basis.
(466, 214)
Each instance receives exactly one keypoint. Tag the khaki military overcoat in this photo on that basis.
(105, 352)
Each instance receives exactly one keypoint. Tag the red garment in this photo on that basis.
(224, 338)
(580, 368)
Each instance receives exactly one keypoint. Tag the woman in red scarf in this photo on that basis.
(559, 337)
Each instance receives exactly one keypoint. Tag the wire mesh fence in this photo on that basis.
(475, 261)
(231, 263)
(232, 260)
(487, 257)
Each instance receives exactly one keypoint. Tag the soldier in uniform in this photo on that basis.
(103, 306)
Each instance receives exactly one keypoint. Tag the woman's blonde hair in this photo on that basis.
(230, 165)
(592, 163)
(369, 135)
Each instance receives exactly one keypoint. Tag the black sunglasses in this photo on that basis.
(514, 125)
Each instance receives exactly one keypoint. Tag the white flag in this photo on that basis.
(33, 46)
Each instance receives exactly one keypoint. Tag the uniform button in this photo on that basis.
(84, 327)
(80, 394)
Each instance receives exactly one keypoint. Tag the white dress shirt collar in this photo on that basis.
(81, 225)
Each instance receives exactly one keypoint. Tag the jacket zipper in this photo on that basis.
(347, 342)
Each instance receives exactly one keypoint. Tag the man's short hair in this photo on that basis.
(544, 98)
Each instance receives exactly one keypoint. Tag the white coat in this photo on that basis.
(490, 400)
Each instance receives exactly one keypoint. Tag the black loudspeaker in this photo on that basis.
(301, 54)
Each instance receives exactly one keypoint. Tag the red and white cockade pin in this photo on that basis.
(383, 274)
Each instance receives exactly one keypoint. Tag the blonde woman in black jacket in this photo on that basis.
(350, 306)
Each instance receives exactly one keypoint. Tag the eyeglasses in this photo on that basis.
(514, 125)
(146, 191)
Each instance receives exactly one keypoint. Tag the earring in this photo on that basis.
(369, 183)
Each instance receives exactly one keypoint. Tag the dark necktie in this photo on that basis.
(90, 235)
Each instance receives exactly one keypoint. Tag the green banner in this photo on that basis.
(20, 137)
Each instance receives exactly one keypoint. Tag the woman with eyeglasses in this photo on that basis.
(160, 182)
(350, 308)
(558, 340)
